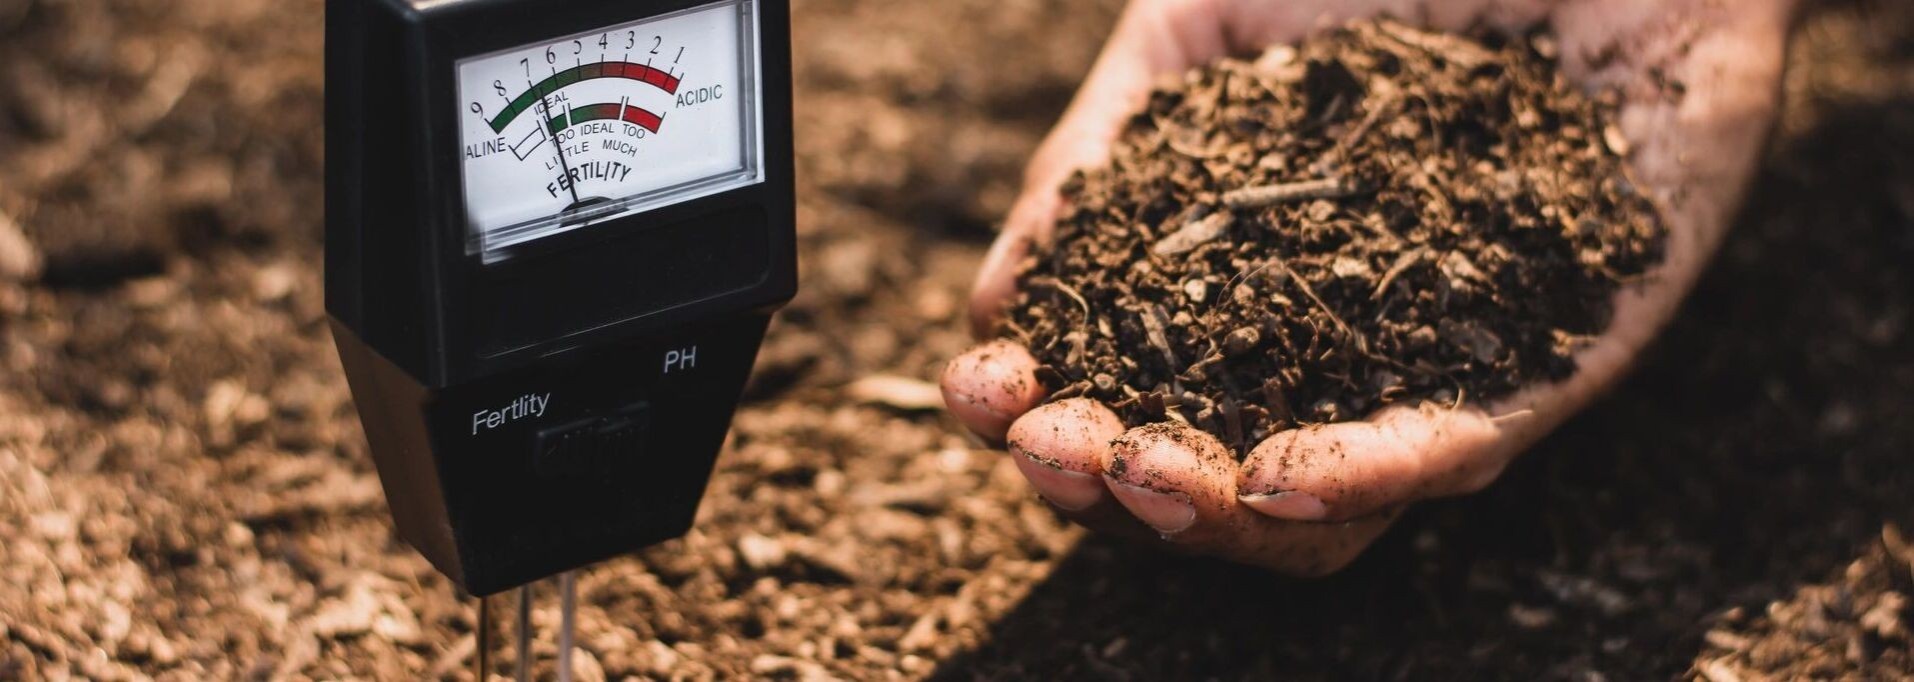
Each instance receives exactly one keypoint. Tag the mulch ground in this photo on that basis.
(184, 491)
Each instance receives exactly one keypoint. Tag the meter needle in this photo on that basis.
(544, 127)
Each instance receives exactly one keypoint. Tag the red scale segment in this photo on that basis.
(639, 72)
(643, 119)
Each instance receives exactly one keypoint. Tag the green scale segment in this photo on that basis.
(659, 78)
(610, 111)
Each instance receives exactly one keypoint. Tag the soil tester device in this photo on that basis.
(556, 231)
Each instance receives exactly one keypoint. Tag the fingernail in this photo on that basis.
(1068, 490)
(1293, 505)
(1168, 513)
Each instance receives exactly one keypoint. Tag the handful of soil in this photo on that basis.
(1380, 215)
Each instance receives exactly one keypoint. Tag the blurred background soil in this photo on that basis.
(185, 493)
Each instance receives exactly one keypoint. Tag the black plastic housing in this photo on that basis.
(600, 319)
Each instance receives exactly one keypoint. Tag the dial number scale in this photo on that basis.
(568, 133)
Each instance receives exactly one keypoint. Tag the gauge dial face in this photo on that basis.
(566, 133)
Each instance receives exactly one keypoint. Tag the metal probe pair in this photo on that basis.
(522, 631)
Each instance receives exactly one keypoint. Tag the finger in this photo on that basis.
(1029, 220)
(1173, 478)
(1182, 483)
(990, 386)
(1151, 39)
(1351, 469)
(1060, 448)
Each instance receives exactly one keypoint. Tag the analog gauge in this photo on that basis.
(577, 131)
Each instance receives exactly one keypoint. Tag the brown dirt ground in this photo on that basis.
(184, 491)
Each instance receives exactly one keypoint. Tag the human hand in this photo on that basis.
(1308, 500)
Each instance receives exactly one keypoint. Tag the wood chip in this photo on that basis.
(1270, 195)
(1195, 233)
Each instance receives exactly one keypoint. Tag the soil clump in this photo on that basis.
(1380, 215)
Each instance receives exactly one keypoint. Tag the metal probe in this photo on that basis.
(523, 644)
(484, 636)
(567, 610)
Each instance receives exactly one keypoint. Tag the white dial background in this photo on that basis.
(639, 116)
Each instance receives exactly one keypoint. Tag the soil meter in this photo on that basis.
(555, 234)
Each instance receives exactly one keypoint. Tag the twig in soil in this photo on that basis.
(1233, 422)
(1277, 402)
(1330, 112)
(1456, 51)
(1402, 264)
(1194, 233)
(1270, 195)
(1199, 371)
(1023, 335)
(1065, 289)
(1153, 329)
(1230, 285)
(1073, 390)
(1334, 157)
(1362, 344)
